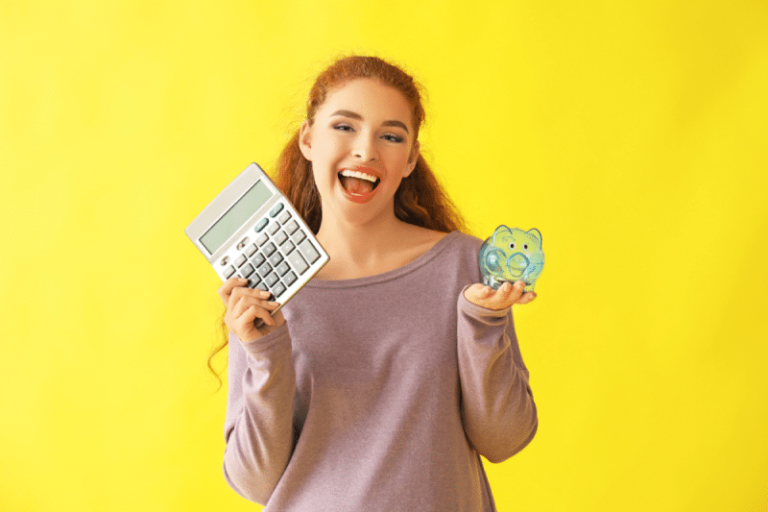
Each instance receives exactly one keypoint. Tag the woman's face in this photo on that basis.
(361, 146)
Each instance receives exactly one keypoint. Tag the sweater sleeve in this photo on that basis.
(498, 410)
(258, 428)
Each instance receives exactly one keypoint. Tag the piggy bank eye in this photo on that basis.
(511, 245)
(525, 246)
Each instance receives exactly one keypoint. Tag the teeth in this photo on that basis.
(359, 175)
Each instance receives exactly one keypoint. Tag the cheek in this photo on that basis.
(398, 161)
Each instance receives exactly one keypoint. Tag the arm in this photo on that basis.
(498, 410)
(258, 428)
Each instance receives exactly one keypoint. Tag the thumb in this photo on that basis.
(478, 293)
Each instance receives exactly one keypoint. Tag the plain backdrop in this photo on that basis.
(631, 134)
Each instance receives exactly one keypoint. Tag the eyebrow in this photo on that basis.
(355, 115)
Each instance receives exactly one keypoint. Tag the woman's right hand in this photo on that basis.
(244, 306)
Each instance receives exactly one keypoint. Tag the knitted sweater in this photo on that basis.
(379, 394)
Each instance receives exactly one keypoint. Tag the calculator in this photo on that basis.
(251, 230)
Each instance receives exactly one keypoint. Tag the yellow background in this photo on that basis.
(632, 134)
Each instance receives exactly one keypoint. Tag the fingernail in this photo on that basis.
(273, 303)
(265, 294)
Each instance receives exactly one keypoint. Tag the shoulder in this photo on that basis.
(462, 243)
(456, 253)
(454, 245)
(468, 242)
(427, 238)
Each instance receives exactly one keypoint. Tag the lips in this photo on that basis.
(356, 181)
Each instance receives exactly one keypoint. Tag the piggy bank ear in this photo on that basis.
(535, 233)
(500, 231)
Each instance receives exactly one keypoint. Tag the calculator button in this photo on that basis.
(229, 272)
(298, 237)
(254, 281)
(269, 249)
(240, 260)
(291, 227)
(309, 251)
(251, 249)
(258, 260)
(281, 237)
(277, 209)
(272, 229)
(279, 289)
(271, 279)
(261, 225)
(283, 268)
(276, 259)
(290, 278)
(298, 262)
(264, 270)
(247, 270)
(262, 239)
(287, 247)
(284, 217)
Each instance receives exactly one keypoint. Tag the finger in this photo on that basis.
(471, 293)
(242, 291)
(518, 289)
(246, 302)
(254, 312)
(506, 295)
(526, 298)
(503, 293)
(484, 293)
(243, 324)
(241, 306)
(225, 290)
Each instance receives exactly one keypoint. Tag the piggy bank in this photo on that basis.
(512, 255)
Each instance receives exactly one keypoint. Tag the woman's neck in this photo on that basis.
(363, 245)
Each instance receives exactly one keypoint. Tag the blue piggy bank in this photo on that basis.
(512, 255)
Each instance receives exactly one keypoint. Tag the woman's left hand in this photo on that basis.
(507, 295)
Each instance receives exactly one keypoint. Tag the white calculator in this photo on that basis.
(251, 230)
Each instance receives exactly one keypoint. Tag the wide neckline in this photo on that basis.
(389, 275)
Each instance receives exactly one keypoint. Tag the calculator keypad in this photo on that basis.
(279, 254)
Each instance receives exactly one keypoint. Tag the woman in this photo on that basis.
(394, 369)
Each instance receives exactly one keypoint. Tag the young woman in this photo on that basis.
(393, 370)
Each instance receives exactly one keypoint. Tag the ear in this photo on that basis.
(500, 230)
(535, 233)
(305, 140)
(413, 158)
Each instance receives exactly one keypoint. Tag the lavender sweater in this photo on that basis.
(379, 394)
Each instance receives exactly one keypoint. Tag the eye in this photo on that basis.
(525, 246)
(392, 138)
(511, 245)
(344, 127)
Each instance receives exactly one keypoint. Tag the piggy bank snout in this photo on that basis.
(518, 260)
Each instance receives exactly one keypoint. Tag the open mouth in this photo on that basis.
(358, 183)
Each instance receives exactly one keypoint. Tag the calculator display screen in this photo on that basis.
(236, 216)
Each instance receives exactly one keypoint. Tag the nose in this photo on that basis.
(365, 148)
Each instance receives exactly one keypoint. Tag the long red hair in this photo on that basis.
(420, 199)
